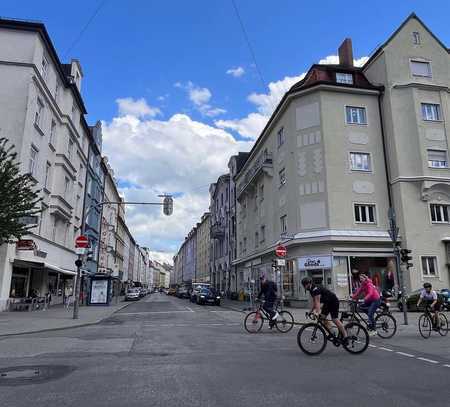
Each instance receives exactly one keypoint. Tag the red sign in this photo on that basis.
(281, 251)
(82, 241)
(25, 244)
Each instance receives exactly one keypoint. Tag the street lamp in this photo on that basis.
(167, 205)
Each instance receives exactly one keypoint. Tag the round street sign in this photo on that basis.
(82, 241)
(281, 251)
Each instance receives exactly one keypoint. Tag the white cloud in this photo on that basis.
(200, 98)
(174, 156)
(249, 127)
(334, 60)
(236, 72)
(162, 257)
(136, 108)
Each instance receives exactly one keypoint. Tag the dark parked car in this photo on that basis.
(208, 296)
(196, 288)
(413, 297)
(182, 292)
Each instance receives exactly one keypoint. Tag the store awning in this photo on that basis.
(59, 269)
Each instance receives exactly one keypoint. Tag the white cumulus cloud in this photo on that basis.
(200, 97)
(236, 72)
(137, 108)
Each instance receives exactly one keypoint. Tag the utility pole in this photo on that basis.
(393, 233)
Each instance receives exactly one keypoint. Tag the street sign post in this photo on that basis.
(281, 262)
(281, 251)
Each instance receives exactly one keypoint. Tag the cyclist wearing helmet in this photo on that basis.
(430, 297)
(328, 299)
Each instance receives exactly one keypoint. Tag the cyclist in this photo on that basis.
(269, 290)
(430, 297)
(328, 299)
(371, 299)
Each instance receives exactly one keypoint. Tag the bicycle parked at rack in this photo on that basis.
(427, 323)
(313, 336)
(254, 320)
(385, 323)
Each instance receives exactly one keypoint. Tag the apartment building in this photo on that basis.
(203, 247)
(42, 114)
(343, 146)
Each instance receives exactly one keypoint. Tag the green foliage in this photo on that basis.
(18, 196)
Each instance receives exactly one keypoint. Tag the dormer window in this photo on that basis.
(416, 38)
(344, 78)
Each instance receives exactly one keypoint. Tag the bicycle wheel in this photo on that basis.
(425, 326)
(312, 339)
(386, 326)
(285, 322)
(358, 338)
(443, 324)
(253, 322)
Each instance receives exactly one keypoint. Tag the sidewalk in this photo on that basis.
(56, 317)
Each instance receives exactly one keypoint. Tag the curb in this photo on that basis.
(81, 325)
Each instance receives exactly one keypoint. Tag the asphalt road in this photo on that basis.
(163, 351)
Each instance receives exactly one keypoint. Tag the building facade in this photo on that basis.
(203, 247)
(344, 145)
(42, 114)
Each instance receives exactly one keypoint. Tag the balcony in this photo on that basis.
(217, 231)
(262, 164)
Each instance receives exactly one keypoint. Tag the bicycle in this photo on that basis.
(427, 324)
(254, 320)
(385, 323)
(317, 334)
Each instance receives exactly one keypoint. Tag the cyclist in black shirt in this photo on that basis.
(269, 290)
(328, 299)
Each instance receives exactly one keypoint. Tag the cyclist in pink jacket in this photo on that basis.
(371, 299)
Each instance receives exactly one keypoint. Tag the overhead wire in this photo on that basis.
(249, 45)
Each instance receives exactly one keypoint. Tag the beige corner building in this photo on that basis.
(343, 146)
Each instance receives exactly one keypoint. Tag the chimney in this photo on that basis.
(346, 53)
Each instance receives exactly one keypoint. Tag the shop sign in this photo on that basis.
(342, 280)
(314, 262)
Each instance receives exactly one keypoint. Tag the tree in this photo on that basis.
(18, 197)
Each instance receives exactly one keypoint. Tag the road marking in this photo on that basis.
(152, 312)
(386, 349)
(405, 354)
(190, 309)
(372, 346)
(446, 365)
(428, 360)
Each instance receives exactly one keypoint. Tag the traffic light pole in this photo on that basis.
(76, 300)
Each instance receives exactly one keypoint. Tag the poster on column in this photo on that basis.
(99, 292)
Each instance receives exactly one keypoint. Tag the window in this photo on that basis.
(429, 266)
(280, 137)
(66, 187)
(44, 67)
(39, 112)
(70, 148)
(360, 161)
(283, 224)
(439, 213)
(263, 233)
(32, 165)
(48, 168)
(431, 112)
(52, 133)
(437, 159)
(261, 193)
(416, 37)
(77, 204)
(364, 213)
(421, 68)
(256, 239)
(282, 174)
(356, 115)
(344, 78)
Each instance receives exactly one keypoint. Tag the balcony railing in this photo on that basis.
(217, 231)
(264, 160)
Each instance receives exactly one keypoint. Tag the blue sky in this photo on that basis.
(156, 75)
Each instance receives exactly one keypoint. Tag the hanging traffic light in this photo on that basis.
(405, 257)
(168, 205)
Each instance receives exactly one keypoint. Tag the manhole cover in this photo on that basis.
(20, 375)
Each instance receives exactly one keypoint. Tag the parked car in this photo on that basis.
(413, 297)
(182, 292)
(196, 288)
(208, 296)
(132, 294)
(171, 291)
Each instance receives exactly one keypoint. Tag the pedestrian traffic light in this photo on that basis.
(405, 257)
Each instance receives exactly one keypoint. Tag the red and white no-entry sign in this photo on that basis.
(82, 241)
(281, 251)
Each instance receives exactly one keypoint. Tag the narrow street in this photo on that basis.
(163, 351)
